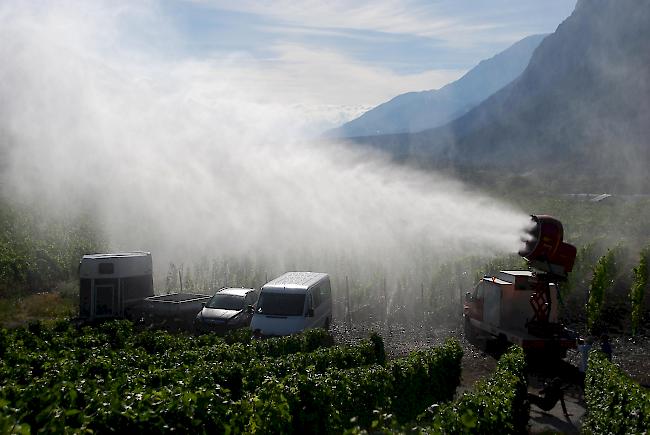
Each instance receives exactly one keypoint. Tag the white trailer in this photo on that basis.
(113, 285)
(120, 285)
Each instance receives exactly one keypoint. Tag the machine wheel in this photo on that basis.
(503, 343)
(499, 345)
(470, 331)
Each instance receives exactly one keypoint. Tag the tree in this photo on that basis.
(637, 291)
(602, 280)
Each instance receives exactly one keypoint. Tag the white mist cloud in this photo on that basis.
(190, 158)
(328, 76)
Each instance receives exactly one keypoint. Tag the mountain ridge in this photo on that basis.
(421, 110)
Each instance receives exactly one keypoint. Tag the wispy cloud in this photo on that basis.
(385, 16)
(449, 21)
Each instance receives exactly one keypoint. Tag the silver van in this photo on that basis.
(293, 302)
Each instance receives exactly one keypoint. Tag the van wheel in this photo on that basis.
(327, 323)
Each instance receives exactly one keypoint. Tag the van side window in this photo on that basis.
(106, 268)
(315, 297)
(478, 293)
(325, 290)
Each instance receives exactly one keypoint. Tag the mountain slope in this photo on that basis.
(417, 111)
(582, 106)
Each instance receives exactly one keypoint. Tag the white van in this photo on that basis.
(293, 302)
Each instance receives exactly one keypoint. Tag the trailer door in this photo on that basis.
(85, 298)
(104, 300)
(492, 305)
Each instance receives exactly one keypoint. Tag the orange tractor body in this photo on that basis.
(521, 307)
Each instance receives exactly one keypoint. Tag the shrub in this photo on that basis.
(327, 402)
(615, 403)
(331, 401)
(602, 280)
(307, 341)
(498, 405)
(425, 377)
(319, 361)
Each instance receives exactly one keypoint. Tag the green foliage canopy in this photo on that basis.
(637, 292)
(615, 403)
(603, 278)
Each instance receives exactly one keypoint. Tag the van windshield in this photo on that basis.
(281, 304)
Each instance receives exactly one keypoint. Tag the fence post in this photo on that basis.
(385, 303)
(424, 311)
(347, 294)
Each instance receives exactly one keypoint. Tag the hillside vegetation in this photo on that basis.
(42, 257)
(39, 257)
(578, 113)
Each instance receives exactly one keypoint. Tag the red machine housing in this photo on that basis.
(545, 249)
